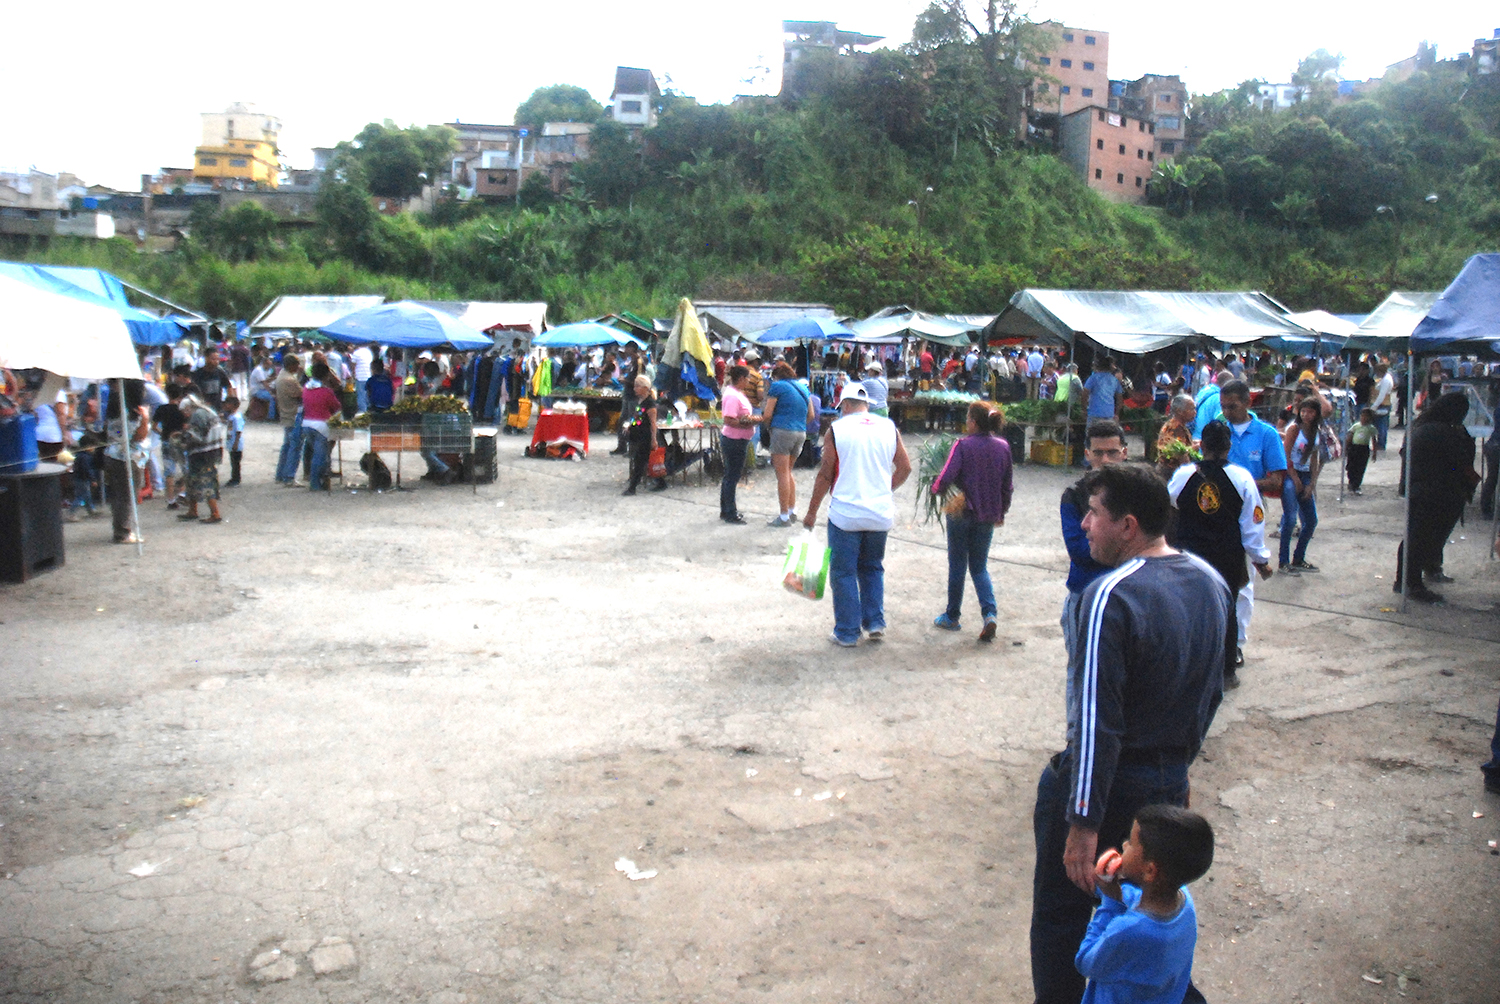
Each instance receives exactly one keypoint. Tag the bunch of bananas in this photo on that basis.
(437, 404)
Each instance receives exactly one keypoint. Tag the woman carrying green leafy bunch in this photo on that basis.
(979, 473)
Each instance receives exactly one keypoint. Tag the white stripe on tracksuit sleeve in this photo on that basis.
(1084, 800)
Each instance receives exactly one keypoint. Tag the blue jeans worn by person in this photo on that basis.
(856, 572)
(1291, 508)
(1060, 911)
(261, 394)
(734, 464)
(361, 396)
(435, 466)
(317, 475)
(291, 452)
(969, 554)
(1382, 427)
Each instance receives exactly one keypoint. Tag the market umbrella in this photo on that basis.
(800, 329)
(407, 325)
(63, 335)
(584, 334)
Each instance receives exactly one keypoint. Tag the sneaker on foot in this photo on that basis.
(628, 491)
(1424, 595)
(1239, 657)
(841, 642)
(1305, 566)
(987, 633)
(1288, 569)
(876, 634)
(942, 621)
(780, 522)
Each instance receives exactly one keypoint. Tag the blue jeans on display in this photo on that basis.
(1291, 508)
(734, 464)
(856, 571)
(317, 474)
(969, 554)
(291, 452)
(1060, 911)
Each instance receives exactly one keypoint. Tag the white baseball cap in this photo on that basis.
(855, 392)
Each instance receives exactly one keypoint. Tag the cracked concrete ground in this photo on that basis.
(390, 747)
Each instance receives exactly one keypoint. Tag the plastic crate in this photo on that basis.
(1056, 454)
(448, 433)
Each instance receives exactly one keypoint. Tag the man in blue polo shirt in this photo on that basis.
(1256, 446)
(1208, 403)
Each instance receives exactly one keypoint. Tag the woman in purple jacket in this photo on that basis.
(980, 466)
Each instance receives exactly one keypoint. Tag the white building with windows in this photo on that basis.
(635, 97)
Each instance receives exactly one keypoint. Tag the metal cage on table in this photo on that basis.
(448, 433)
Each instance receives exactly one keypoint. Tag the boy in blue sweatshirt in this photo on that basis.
(1139, 947)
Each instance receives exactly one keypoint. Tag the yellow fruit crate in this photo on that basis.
(1049, 452)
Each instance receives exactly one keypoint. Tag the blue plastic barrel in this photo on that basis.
(18, 453)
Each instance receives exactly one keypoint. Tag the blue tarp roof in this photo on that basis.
(1467, 314)
(98, 287)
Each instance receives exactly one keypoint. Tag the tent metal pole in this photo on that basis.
(1411, 416)
(135, 514)
(1343, 446)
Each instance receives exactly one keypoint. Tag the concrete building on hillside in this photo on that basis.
(1161, 100)
(1072, 73)
(239, 149)
(635, 97)
(812, 50)
(1112, 152)
(1486, 55)
(1278, 97)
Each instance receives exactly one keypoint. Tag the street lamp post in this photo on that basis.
(1382, 210)
(920, 204)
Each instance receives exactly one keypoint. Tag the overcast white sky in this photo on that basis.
(114, 94)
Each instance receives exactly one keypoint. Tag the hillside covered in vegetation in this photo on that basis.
(899, 181)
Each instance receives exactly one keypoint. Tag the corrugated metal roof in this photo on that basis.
(728, 319)
(482, 315)
(633, 80)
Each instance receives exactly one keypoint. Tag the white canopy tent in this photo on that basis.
(482, 316)
(301, 312)
(1389, 328)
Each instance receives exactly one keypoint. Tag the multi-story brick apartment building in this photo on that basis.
(1077, 63)
(1113, 152)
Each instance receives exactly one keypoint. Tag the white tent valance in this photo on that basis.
(68, 337)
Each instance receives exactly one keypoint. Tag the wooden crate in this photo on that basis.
(1055, 454)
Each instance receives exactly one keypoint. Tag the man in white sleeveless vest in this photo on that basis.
(864, 462)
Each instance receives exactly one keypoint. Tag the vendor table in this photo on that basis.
(441, 433)
(695, 441)
(552, 427)
(31, 533)
(603, 408)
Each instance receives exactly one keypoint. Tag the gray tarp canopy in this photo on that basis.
(1389, 328)
(1137, 322)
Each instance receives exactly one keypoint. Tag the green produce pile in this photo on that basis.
(360, 421)
(931, 457)
(1033, 412)
(437, 404)
(1176, 453)
(946, 398)
(591, 392)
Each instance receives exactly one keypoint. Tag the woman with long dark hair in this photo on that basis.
(980, 466)
(1298, 490)
(1442, 482)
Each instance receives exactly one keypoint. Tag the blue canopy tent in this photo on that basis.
(92, 285)
(585, 334)
(800, 329)
(407, 325)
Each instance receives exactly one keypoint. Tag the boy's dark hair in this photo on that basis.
(1178, 841)
(182, 369)
(1106, 430)
(1367, 411)
(175, 392)
(376, 366)
(1133, 490)
(231, 402)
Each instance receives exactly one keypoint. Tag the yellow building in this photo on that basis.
(239, 145)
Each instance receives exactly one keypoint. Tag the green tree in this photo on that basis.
(245, 233)
(613, 174)
(394, 160)
(558, 103)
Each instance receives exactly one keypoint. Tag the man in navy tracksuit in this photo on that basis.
(1145, 676)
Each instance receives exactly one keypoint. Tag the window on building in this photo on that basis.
(1140, 127)
(1164, 99)
(1046, 60)
(630, 107)
(1088, 66)
(1122, 147)
(1140, 155)
(1088, 40)
(1067, 64)
(1098, 144)
(1101, 116)
(1116, 120)
(1088, 92)
(1067, 36)
(1119, 179)
(1168, 146)
(208, 161)
(1170, 122)
(1150, 155)
(1066, 89)
(1138, 181)
(1098, 174)
(238, 162)
(1151, 128)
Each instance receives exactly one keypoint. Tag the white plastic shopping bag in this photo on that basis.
(805, 569)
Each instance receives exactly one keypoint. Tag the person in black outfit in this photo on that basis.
(1441, 484)
(212, 380)
(642, 435)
